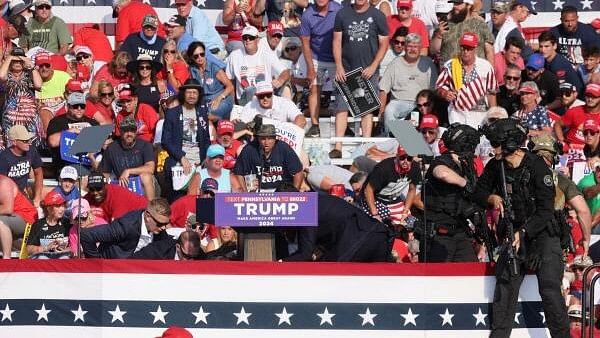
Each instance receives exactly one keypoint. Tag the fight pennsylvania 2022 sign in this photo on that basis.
(266, 209)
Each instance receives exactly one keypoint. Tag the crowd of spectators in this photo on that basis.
(189, 109)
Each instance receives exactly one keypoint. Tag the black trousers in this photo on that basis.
(549, 275)
(455, 247)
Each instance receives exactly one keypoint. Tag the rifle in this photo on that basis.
(508, 219)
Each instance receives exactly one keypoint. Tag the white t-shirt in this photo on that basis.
(506, 28)
(247, 70)
(263, 43)
(190, 130)
(283, 110)
(299, 70)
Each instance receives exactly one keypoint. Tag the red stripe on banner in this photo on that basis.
(245, 268)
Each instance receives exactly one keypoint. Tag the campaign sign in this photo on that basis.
(358, 93)
(289, 209)
(288, 133)
(134, 185)
(67, 139)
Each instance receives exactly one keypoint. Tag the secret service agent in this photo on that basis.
(531, 188)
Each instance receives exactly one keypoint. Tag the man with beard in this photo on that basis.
(111, 201)
(450, 182)
(233, 147)
(130, 158)
(393, 182)
(508, 95)
(271, 160)
(573, 35)
(568, 98)
(445, 38)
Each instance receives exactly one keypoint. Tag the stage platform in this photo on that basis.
(125, 298)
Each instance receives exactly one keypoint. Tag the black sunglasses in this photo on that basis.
(589, 133)
(428, 131)
(423, 105)
(158, 224)
(405, 157)
(209, 192)
(145, 67)
(513, 78)
(398, 42)
(45, 65)
(248, 38)
(43, 7)
(78, 106)
(111, 94)
(199, 55)
(81, 57)
(292, 48)
(264, 96)
(170, 51)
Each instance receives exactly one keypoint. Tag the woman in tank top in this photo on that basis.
(148, 88)
(213, 168)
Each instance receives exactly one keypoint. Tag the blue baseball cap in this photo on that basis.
(527, 4)
(215, 150)
(535, 61)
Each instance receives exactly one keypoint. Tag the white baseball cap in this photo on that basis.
(68, 172)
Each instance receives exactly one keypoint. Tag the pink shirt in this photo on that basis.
(500, 66)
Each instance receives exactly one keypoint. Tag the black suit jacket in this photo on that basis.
(342, 232)
(158, 249)
(117, 239)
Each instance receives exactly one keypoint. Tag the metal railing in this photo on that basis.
(585, 302)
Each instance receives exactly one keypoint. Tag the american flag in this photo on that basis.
(112, 298)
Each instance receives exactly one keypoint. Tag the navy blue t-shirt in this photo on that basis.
(570, 44)
(281, 166)
(117, 159)
(562, 68)
(18, 167)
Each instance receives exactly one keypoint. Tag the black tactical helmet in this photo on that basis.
(461, 138)
(508, 133)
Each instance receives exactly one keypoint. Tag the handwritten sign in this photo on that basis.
(358, 93)
(288, 133)
(266, 209)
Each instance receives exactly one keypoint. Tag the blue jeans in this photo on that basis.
(396, 110)
(224, 108)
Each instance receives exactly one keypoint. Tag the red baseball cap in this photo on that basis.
(591, 125)
(469, 39)
(338, 190)
(593, 89)
(404, 3)
(401, 151)
(74, 86)
(225, 127)
(125, 94)
(429, 121)
(176, 332)
(42, 59)
(53, 198)
(275, 27)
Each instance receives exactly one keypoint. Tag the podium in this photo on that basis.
(258, 216)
